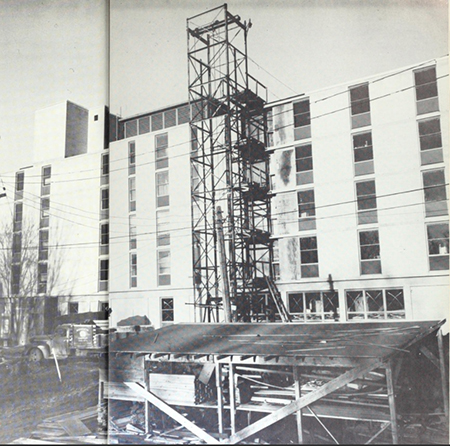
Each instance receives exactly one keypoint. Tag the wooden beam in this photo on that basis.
(160, 404)
(304, 401)
(424, 349)
(219, 397)
(391, 397)
(232, 381)
(297, 389)
(443, 372)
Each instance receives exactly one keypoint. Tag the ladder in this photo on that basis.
(276, 296)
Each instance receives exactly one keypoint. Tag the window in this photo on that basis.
(46, 174)
(131, 128)
(170, 118)
(16, 247)
(15, 278)
(438, 246)
(276, 260)
(163, 268)
(133, 270)
(18, 216)
(105, 199)
(369, 245)
(161, 144)
(367, 202)
(73, 307)
(430, 141)
(426, 90)
(144, 125)
(45, 215)
(43, 245)
(304, 164)
(105, 164)
(104, 238)
(157, 122)
(132, 232)
(375, 304)
(20, 178)
(131, 158)
(162, 228)
(306, 210)
(162, 188)
(167, 310)
(314, 306)
(360, 106)
(132, 193)
(309, 257)
(302, 120)
(42, 277)
(435, 193)
(103, 274)
(183, 114)
(363, 153)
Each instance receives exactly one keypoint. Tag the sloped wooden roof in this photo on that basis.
(345, 340)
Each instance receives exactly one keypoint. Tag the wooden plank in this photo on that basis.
(443, 372)
(430, 356)
(206, 373)
(298, 395)
(391, 397)
(139, 390)
(302, 402)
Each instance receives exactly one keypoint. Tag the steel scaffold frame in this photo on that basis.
(229, 166)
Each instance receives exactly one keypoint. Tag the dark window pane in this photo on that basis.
(425, 76)
(309, 257)
(157, 122)
(426, 91)
(363, 154)
(370, 252)
(429, 126)
(308, 243)
(368, 238)
(362, 140)
(365, 188)
(296, 303)
(395, 300)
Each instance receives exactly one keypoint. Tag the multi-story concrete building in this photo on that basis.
(360, 180)
(359, 210)
(150, 250)
(57, 209)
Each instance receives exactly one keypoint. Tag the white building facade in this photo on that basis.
(58, 207)
(150, 246)
(360, 208)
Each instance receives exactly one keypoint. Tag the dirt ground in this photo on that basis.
(30, 393)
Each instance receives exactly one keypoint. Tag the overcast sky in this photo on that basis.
(53, 50)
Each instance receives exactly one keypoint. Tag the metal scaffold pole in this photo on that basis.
(230, 168)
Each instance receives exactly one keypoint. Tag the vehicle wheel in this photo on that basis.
(35, 355)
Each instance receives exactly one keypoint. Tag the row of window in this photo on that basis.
(103, 270)
(46, 173)
(369, 251)
(319, 306)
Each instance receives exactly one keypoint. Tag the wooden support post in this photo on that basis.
(443, 372)
(172, 413)
(219, 397)
(391, 397)
(147, 404)
(297, 388)
(232, 393)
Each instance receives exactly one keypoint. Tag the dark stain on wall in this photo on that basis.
(285, 165)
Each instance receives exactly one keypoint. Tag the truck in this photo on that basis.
(68, 340)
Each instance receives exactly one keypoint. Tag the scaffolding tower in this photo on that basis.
(229, 168)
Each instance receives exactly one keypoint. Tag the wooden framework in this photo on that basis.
(342, 380)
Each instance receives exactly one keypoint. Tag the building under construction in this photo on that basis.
(281, 212)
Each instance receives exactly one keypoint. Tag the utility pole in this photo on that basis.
(223, 265)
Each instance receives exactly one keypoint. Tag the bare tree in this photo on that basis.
(24, 300)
